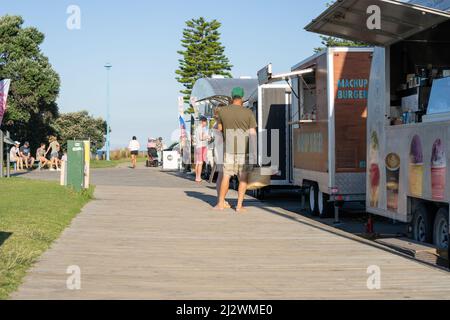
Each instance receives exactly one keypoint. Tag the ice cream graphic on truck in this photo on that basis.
(392, 181)
(416, 169)
(374, 170)
(438, 171)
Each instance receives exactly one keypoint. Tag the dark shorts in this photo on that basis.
(134, 153)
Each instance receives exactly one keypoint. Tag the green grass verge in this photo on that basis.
(102, 164)
(33, 214)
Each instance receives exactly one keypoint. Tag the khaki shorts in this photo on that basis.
(236, 164)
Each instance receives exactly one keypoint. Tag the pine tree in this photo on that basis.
(203, 55)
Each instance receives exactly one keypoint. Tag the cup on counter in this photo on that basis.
(392, 181)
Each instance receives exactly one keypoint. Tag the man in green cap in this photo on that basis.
(238, 125)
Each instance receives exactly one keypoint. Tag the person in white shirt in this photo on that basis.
(14, 156)
(201, 148)
(134, 148)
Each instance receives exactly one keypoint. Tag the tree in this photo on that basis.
(328, 41)
(337, 42)
(81, 126)
(203, 55)
(35, 85)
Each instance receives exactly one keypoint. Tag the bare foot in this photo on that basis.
(241, 210)
(219, 208)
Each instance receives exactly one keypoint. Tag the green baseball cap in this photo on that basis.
(237, 92)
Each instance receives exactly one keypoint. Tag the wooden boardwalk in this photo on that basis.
(153, 235)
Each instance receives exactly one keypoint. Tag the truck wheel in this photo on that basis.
(313, 199)
(422, 225)
(440, 230)
(260, 194)
(325, 208)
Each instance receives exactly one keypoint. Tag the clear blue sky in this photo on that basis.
(140, 38)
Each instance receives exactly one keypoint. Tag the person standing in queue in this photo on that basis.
(217, 136)
(201, 148)
(134, 148)
(238, 125)
(160, 149)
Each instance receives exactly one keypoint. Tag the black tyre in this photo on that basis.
(325, 207)
(422, 225)
(206, 172)
(313, 199)
(440, 230)
(234, 183)
(259, 194)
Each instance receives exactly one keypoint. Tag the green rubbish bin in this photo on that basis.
(75, 164)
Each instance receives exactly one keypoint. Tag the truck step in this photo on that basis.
(420, 251)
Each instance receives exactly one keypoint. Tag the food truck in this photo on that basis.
(408, 125)
(208, 94)
(328, 121)
(271, 105)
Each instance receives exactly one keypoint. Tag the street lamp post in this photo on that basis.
(108, 67)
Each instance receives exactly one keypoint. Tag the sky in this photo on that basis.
(141, 38)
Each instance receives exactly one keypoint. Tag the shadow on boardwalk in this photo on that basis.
(4, 236)
(212, 199)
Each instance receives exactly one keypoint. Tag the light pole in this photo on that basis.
(108, 67)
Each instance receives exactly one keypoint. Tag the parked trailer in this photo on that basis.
(329, 132)
(271, 105)
(408, 137)
(328, 119)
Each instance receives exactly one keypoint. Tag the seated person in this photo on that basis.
(60, 159)
(25, 154)
(14, 156)
(40, 156)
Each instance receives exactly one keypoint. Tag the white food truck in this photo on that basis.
(408, 124)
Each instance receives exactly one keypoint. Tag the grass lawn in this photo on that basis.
(32, 215)
(102, 164)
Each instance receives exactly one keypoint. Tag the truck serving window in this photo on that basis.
(308, 97)
(440, 97)
(417, 65)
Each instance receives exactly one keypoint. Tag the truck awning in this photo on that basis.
(347, 19)
(219, 90)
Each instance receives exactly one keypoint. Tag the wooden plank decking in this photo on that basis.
(152, 235)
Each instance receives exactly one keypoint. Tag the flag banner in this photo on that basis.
(184, 142)
(4, 89)
(182, 128)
